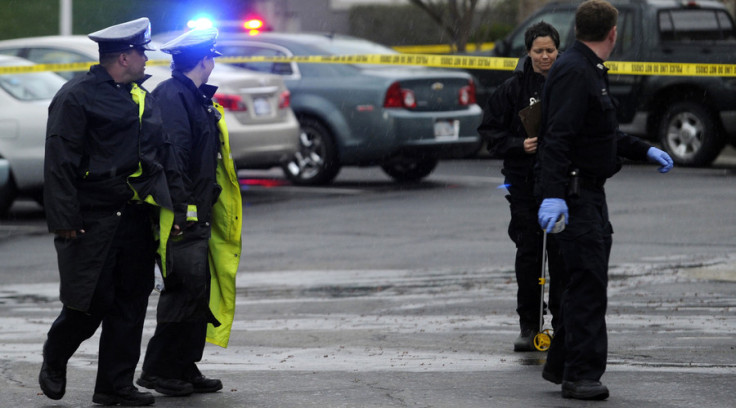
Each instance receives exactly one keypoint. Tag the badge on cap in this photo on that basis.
(197, 42)
(123, 37)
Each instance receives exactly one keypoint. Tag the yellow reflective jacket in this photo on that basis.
(225, 243)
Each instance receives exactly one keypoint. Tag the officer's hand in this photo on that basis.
(550, 211)
(660, 157)
(176, 230)
(530, 145)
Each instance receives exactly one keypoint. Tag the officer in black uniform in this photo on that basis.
(105, 181)
(183, 312)
(579, 149)
(508, 139)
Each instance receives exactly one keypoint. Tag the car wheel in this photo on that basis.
(316, 161)
(688, 132)
(8, 193)
(409, 170)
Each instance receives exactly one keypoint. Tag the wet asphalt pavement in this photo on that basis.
(375, 335)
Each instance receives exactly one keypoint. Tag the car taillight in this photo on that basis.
(397, 97)
(466, 96)
(284, 100)
(231, 102)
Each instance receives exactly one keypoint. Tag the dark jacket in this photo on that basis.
(501, 127)
(579, 127)
(191, 125)
(191, 119)
(96, 139)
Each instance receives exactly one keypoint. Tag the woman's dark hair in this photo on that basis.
(541, 29)
(185, 62)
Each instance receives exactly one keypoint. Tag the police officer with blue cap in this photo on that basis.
(108, 180)
(209, 248)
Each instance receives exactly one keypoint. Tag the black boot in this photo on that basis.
(52, 380)
(584, 390)
(525, 341)
(127, 397)
(166, 386)
(203, 384)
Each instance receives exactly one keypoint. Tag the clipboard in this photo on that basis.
(531, 117)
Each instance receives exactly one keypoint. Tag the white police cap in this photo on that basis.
(123, 37)
(196, 43)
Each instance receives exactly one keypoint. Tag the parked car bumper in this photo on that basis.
(256, 146)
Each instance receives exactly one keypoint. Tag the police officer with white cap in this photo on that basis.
(209, 248)
(106, 179)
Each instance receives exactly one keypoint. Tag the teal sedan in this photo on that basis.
(404, 119)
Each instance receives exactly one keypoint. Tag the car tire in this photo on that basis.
(409, 170)
(316, 162)
(8, 193)
(689, 133)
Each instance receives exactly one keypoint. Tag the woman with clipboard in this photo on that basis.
(510, 124)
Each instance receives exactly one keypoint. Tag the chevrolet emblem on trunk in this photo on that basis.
(437, 86)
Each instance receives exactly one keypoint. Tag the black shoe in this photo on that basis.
(166, 386)
(584, 390)
(203, 384)
(525, 341)
(52, 381)
(551, 376)
(127, 397)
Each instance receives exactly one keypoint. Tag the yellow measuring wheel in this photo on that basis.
(543, 340)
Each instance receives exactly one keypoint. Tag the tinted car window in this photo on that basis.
(280, 68)
(694, 25)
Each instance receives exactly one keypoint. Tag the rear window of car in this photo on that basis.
(695, 25)
(31, 86)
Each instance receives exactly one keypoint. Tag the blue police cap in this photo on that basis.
(123, 37)
(199, 42)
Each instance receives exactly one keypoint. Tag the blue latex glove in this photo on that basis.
(550, 211)
(660, 157)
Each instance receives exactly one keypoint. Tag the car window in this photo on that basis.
(625, 39)
(31, 86)
(560, 19)
(11, 51)
(57, 56)
(694, 25)
(238, 50)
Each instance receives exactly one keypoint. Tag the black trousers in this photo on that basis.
(580, 346)
(119, 304)
(174, 350)
(525, 232)
(183, 309)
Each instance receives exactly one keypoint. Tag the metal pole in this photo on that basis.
(65, 17)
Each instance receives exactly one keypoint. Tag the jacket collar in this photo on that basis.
(594, 60)
(205, 91)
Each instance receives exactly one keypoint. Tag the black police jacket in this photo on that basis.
(96, 139)
(191, 125)
(579, 128)
(501, 127)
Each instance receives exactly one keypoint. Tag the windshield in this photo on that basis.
(31, 86)
(342, 46)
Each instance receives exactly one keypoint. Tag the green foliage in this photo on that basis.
(26, 18)
(32, 18)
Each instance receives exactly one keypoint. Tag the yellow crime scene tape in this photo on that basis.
(428, 60)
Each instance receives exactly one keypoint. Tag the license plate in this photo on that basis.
(261, 106)
(446, 129)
